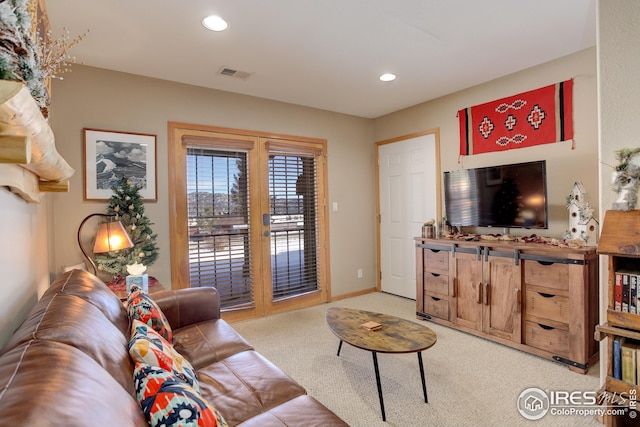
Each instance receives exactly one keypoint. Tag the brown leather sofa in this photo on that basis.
(68, 364)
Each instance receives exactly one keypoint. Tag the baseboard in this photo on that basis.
(352, 294)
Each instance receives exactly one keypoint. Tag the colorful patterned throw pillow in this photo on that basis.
(140, 306)
(168, 401)
(148, 346)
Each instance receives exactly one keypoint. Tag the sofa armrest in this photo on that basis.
(184, 307)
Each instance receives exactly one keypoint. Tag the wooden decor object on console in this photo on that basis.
(537, 298)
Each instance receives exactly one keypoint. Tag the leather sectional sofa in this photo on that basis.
(68, 363)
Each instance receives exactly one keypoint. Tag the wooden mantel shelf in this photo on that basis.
(29, 161)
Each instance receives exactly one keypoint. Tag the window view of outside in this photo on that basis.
(293, 225)
(218, 212)
(218, 215)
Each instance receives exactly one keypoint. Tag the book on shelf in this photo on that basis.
(629, 350)
(632, 293)
(371, 325)
(626, 293)
(617, 291)
(628, 359)
(617, 357)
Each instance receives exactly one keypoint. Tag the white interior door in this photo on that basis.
(408, 184)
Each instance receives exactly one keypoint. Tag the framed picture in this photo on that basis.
(110, 155)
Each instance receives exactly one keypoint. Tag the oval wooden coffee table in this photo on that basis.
(395, 335)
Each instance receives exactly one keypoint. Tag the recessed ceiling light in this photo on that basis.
(387, 77)
(215, 23)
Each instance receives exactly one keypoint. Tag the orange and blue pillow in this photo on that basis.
(140, 306)
(168, 401)
(148, 346)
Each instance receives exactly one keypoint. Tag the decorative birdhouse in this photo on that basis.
(582, 224)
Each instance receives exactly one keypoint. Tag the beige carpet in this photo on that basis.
(470, 381)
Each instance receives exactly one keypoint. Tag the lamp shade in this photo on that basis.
(111, 237)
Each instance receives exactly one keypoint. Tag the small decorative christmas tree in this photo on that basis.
(127, 205)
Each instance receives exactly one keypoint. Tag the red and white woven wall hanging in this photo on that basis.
(540, 116)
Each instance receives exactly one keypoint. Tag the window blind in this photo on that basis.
(218, 222)
(293, 206)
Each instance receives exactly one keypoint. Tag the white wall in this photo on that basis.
(23, 259)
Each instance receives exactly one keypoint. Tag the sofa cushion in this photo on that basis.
(93, 290)
(72, 320)
(166, 400)
(291, 412)
(140, 306)
(246, 384)
(188, 305)
(87, 287)
(208, 342)
(45, 383)
(148, 346)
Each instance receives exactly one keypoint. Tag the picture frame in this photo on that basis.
(109, 155)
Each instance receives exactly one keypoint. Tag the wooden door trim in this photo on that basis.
(177, 209)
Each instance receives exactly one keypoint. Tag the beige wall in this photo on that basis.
(619, 85)
(619, 106)
(96, 98)
(564, 165)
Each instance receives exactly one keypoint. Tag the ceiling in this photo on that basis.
(327, 54)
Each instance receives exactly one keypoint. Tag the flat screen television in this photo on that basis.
(508, 196)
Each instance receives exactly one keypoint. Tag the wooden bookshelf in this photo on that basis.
(620, 241)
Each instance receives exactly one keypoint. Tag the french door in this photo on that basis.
(250, 218)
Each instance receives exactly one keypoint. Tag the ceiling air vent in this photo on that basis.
(230, 72)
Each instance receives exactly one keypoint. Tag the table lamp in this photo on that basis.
(111, 237)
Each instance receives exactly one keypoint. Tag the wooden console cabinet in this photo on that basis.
(537, 298)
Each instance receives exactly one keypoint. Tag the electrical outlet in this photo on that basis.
(359, 273)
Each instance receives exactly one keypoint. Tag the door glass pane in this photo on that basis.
(293, 201)
(218, 222)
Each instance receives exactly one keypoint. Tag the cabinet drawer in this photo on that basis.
(549, 275)
(437, 260)
(436, 283)
(437, 307)
(547, 338)
(548, 306)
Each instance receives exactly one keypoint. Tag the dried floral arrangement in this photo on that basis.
(626, 179)
(31, 61)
